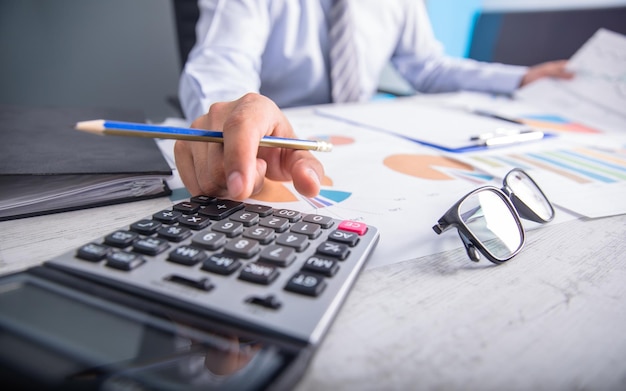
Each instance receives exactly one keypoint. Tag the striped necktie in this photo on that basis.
(344, 73)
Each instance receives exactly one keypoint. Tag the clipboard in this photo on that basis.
(439, 127)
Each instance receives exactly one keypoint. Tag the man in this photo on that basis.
(257, 56)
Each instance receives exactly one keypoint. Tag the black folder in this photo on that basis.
(47, 166)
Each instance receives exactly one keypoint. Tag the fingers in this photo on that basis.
(301, 167)
(306, 176)
(249, 119)
(236, 168)
(554, 69)
(252, 118)
(185, 166)
(200, 167)
(557, 69)
(261, 169)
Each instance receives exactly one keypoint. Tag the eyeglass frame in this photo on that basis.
(473, 246)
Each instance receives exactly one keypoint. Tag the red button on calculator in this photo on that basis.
(353, 226)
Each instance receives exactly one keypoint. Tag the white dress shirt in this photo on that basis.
(279, 48)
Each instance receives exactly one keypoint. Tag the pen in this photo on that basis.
(501, 117)
(501, 132)
(513, 138)
(117, 128)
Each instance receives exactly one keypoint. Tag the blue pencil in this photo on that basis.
(117, 128)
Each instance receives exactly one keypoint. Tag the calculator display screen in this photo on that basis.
(61, 335)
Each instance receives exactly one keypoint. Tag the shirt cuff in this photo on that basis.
(507, 78)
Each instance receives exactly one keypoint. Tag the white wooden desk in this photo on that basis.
(553, 318)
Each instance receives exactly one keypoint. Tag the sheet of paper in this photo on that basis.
(588, 180)
(418, 120)
(597, 94)
(536, 116)
(582, 169)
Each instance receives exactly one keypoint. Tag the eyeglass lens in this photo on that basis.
(487, 215)
(525, 189)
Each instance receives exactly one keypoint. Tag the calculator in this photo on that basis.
(209, 294)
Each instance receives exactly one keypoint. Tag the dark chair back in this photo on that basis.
(186, 15)
(528, 38)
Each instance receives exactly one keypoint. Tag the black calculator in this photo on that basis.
(210, 294)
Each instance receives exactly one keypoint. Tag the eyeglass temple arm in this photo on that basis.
(441, 226)
(470, 249)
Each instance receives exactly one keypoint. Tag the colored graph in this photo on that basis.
(329, 197)
(432, 167)
(582, 165)
(555, 123)
(274, 191)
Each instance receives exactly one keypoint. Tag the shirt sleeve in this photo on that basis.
(225, 62)
(420, 59)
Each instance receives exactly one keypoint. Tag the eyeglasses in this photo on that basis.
(488, 218)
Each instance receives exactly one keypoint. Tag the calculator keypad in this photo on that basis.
(236, 258)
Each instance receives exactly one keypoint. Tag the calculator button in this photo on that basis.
(209, 240)
(261, 210)
(145, 227)
(221, 209)
(202, 199)
(322, 265)
(306, 284)
(259, 273)
(150, 246)
(195, 221)
(187, 208)
(278, 255)
(278, 224)
(221, 264)
(167, 216)
(246, 218)
(124, 260)
(263, 235)
(349, 238)
(311, 230)
(187, 255)
(335, 250)
(296, 241)
(120, 239)
(242, 247)
(228, 228)
(93, 252)
(174, 233)
(202, 284)
(324, 221)
(353, 226)
(291, 215)
(269, 301)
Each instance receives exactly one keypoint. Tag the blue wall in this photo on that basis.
(452, 22)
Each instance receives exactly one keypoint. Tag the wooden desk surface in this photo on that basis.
(553, 318)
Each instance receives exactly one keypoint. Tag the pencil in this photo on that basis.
(118, 128)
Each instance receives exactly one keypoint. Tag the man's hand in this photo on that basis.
(555, 69)
(237, 168)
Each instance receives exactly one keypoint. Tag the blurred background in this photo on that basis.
(120, 53)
